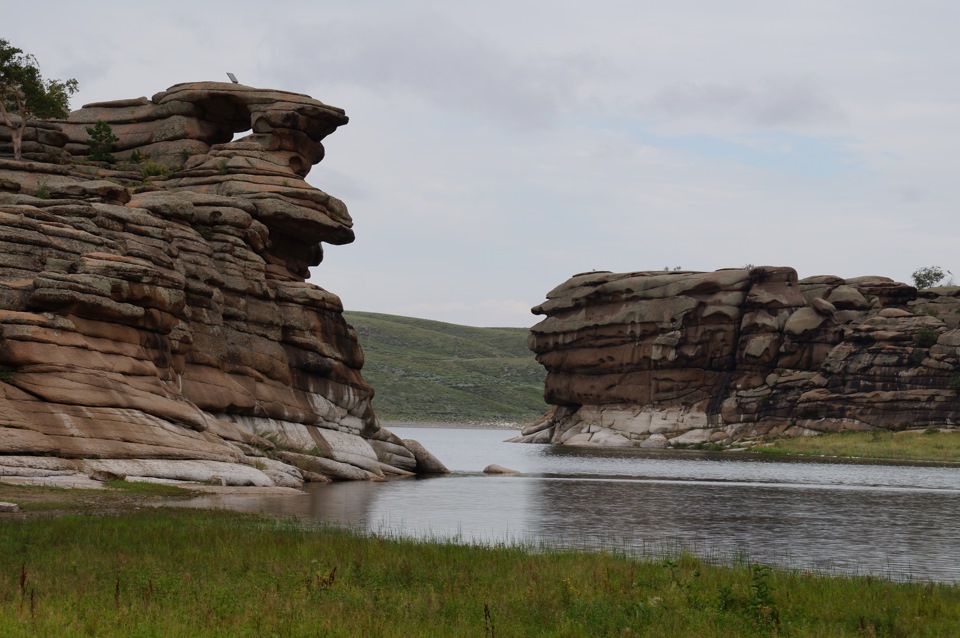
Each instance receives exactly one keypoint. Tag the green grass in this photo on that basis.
(148, 489)
(120, 495)
(918, 445)
(424, 370)
(198, 573)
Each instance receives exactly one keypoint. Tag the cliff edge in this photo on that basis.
(657, 359)
(155, 319)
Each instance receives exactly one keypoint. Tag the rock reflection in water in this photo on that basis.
(895, 521)
(347, 505)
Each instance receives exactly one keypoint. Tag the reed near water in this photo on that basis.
(169, 572)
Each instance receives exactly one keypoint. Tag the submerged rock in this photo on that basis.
(155, 318)
(499, 469)
(652, 359)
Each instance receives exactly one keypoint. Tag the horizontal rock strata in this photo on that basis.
(155, 321)
(656, 359)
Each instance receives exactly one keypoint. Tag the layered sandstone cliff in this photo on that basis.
(155, 320)
(653, 359)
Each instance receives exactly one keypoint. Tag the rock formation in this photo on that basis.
(652, 359)
(155, 320)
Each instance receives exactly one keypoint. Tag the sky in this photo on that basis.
(497, 148)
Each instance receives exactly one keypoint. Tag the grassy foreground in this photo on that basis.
(162, 572)
(913, 445)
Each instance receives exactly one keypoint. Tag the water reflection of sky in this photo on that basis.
(898, 521)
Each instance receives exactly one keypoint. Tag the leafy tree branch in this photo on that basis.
(24, 92)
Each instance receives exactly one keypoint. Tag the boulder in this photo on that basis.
(427, 463)
(499, 469)
(823, 306)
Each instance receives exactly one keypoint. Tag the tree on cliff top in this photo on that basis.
(24, 91)
(929, 276)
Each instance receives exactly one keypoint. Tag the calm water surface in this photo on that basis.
(898, 521)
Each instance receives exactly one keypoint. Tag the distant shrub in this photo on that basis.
(101, 142)
(928, 276)
(955, 384)
(917, 356)
(925, 337)
(152, 169)
(43, 190)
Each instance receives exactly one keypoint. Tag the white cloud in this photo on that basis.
(768, 105)
(497, 148)
(424, 54)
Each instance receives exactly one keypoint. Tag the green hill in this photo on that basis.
(426, 371)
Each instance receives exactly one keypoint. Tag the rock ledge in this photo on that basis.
(657, 359)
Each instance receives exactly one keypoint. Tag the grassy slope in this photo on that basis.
(426, 370)
(173, 573)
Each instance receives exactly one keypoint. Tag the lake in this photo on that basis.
(899, 521)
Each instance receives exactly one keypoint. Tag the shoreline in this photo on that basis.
(906, 448)
(786, 448)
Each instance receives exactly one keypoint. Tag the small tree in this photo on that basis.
(928, 276)
(24, 91)
(101, 142)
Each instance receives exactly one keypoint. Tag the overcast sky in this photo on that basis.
(496, 148)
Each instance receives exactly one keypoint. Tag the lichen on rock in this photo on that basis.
(656, 359)
(155, 318)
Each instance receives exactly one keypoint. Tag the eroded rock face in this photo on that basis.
(155, 320)
(654, 359)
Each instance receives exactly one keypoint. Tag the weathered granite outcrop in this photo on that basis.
(155, 321)
(653, 359)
